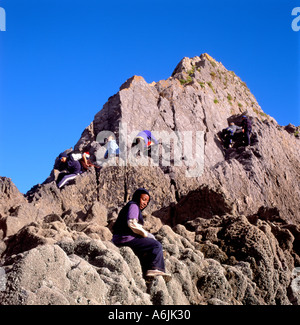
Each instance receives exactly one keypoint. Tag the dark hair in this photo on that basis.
(63, 154)
(136, 141)
(137, 194)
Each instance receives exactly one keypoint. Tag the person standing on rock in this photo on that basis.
(247, 128)
(128, 231)
(73, 168)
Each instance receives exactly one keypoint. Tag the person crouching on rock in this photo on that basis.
(73, 168)
(228, 134)
(144, 141)
(128, 231)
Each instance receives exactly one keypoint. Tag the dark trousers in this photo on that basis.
(247, 134)
(149, 251)
(64, 178)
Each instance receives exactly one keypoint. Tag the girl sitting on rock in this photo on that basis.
(128, 231)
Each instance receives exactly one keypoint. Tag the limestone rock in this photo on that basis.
(230, 231)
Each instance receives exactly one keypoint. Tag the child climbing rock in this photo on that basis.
(73, 169)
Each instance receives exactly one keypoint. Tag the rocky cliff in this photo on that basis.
(228, 219)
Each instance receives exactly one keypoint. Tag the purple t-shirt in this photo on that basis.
(133, 213)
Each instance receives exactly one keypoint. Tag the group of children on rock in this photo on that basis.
(73, 164)
(128, 228)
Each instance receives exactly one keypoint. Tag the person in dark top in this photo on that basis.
(228, 134)
(73, 169)
(128, 231)
(247, 128)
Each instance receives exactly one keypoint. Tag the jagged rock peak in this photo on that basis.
(188, 64)
(130, 81)
(202, 95)
(231, 235)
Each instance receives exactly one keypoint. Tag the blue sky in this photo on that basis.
(60, 60)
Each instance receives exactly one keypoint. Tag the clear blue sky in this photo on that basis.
(60, 60)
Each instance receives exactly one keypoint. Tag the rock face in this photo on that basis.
(228, 220)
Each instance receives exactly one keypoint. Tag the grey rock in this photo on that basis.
(230, 235)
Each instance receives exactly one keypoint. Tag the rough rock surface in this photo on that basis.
(231, 235)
